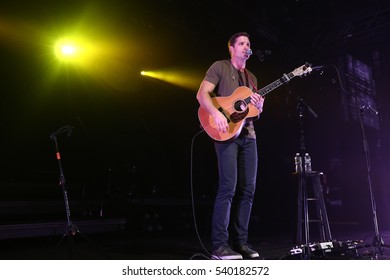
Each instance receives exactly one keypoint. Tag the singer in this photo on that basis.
(237, 159)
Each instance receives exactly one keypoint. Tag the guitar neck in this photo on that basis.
(284, 79)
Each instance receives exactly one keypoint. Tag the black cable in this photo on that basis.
(208, 256)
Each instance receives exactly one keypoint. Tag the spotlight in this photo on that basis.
(66, 49)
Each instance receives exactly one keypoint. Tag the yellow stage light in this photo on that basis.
(68, 49)
(180, 77)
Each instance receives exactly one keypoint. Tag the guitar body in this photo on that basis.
(236, 108)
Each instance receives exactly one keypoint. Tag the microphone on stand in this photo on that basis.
(261, 54)
(319, 68)
(369, 108)
(61, 130)
(373, 110)
(249, 52)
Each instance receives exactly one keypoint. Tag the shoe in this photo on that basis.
(247, 252)
(225, 253)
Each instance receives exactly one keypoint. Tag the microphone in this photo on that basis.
(61, 130)
(249, 52)
(262, 54)
(369, 108)
(318, 68)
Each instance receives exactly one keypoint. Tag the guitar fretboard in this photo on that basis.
(267, 89)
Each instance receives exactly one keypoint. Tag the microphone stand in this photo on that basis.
(301, 107)
(71, 229)
(377, 242)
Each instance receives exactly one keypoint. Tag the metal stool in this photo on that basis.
(306, 180)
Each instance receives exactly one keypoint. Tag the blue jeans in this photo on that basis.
(237, 168)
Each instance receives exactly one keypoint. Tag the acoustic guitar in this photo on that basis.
(237, 108)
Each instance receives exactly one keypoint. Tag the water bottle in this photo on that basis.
(298, 163)
(307, 162)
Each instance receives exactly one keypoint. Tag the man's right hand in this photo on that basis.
(220, 122)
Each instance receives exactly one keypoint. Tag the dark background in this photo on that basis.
(131, 146)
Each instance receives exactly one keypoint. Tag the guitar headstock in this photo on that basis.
(303, 70)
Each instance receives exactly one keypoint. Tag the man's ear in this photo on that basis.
(231, 48)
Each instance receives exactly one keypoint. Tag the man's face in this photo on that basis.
(240, 47)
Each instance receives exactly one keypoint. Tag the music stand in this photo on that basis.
(71, 230)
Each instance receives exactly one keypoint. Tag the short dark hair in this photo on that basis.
(234, 37)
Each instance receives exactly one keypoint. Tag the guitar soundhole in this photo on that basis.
(237, 117)
(240, 106)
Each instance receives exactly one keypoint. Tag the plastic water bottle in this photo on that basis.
(307, 162)
(298, 163)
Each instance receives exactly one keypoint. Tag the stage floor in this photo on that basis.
(124, 245)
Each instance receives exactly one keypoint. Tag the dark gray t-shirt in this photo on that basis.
(227, 79)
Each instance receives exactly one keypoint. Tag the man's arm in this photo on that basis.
(204, 99)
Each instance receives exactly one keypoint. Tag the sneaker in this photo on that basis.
(225, 253)
(247, 252)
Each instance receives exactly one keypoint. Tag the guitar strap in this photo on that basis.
(248, 81)
(241, 81)
(248, 77)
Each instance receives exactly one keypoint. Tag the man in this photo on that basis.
(237, 159)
